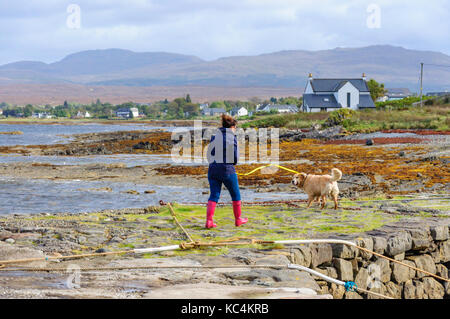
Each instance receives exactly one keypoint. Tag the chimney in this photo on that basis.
(364, 76)
(310, 76)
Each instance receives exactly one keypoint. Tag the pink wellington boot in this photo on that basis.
(210, 208)
(238, 221)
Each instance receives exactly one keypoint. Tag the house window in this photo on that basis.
(348, 99)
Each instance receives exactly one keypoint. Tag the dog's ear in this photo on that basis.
(303, 176)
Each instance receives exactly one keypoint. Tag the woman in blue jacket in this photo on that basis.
(223, 154)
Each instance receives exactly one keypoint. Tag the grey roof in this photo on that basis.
(332, 85)
(398, 91)
(320, 101)
(365, 100)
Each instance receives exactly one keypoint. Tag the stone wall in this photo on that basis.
(424, 246)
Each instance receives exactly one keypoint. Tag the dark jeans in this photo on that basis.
(231, 183)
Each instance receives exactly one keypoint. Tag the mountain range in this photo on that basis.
(393, 66)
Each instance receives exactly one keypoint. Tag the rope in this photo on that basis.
(178, 223)
(264, 166)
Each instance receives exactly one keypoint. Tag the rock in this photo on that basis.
(381, 270)
(442, 271)
(444, 251)
(352, 295)
(101, 250)
(365, 242)
(301, 256)
(401, 153)
(409, 290)
(399, 243)
(321, 254)
(337, 291)
(379, 245)
(419, 289)
(424, 262)
(421, 238)
(439, 232)
(447, 289)
(10, 252)
(361, 278)
(10, 241)
(369, 142)
(331, 272)
(344, 269)
(380, 288)
(393, 290)
(151, 191)
(402, 273)
(344, 251)
(432, 288)
(399, 257)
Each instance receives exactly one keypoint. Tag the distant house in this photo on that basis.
(203, 106)
(333, 94)
(134, 112)
(1, 112)
(41, 115)
(239, 111)
(123, 113)
(395, 94)
(280, 108)
(83, 114)
(213, 111)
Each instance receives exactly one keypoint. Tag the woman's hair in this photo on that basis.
(228, 121)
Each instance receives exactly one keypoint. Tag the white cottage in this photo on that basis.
(239, 111)
(333, 94)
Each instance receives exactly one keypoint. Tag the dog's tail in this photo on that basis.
(335, 174)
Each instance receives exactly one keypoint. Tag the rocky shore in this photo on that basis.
(404, 229)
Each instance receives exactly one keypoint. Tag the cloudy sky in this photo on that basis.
(47, 30)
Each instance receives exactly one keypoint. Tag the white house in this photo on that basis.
(280, 108)
(134, 112)
(83, 114)
(333, 94)
(239, 111)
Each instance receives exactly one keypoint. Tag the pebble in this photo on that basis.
(10, 241)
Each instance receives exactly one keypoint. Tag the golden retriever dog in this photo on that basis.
(319, 186)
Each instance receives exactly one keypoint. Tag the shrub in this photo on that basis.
(340, 117)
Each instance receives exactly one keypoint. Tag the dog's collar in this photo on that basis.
(303, 183)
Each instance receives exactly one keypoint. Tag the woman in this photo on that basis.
(221, 170)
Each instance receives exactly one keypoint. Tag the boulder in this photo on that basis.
(424, 262)
(442, 271)
(321, 254)
(301, 255)
(402, 273)
(444, 251)
(432, 288)
(337, 291)
(361, 278)
(381, 289)
(447, 289)
(439, 232)
(352, 295)
(399, 243)
(409, 290)
(421, 238)
(380, 270)
(379, 245)
(393, 290)
(365, 242)
(344, 251)
(344, 269)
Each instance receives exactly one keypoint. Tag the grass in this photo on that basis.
(428, 117)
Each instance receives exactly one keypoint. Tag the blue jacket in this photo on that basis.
(218, 167)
